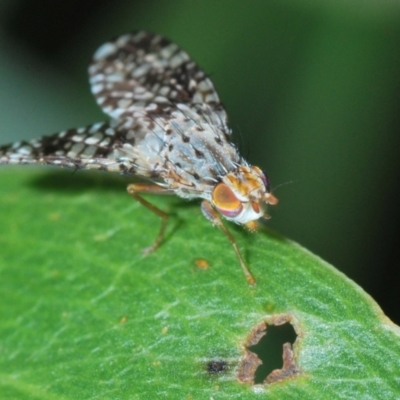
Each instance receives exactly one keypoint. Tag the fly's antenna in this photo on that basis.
(283, 184)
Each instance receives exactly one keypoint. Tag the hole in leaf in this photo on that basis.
(268, 356)
(269, 349)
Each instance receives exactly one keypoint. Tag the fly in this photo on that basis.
(167, 125)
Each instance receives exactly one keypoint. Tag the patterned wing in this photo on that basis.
(98, 146)
(141, 76)
(151, 89)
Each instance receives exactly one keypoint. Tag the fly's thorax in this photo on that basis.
(195, 155)
(242, 195)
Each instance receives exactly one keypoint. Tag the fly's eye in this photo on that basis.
(225, 201)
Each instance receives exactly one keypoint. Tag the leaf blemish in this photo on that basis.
(202, 264)
(263, 355)
(216, 366)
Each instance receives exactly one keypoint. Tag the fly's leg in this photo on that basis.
(134, 189)
(213, 216)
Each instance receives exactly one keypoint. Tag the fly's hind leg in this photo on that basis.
(135, 189)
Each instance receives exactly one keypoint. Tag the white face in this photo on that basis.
(248, 213)
(242, 195)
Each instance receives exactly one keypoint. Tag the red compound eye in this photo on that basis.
(225, 201)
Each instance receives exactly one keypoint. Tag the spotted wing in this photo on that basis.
(149, 87)
(99, 146)
(140, 77)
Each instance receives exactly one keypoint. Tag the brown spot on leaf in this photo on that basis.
(201, 263)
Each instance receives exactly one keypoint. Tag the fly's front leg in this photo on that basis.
(213, 216)
(134, 189)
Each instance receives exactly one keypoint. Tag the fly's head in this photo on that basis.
(242, 196)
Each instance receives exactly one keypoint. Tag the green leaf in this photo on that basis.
(85, 316)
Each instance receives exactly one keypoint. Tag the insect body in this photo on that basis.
(167, 125)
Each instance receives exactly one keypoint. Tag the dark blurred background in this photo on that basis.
(311, 88)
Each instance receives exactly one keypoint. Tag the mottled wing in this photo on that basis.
(98, 146)
(149, 87)
(140, 77)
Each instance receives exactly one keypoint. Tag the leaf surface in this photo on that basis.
(85, 316)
